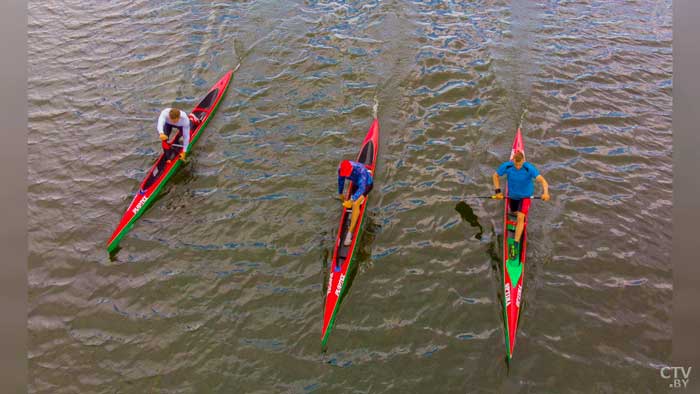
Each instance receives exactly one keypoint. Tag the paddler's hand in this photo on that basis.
(497, 196)
(163, 137)
(183, 156)
(347, 204)
(545, 197)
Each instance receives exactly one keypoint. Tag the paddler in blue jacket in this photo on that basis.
(519, 175)
(361, 179)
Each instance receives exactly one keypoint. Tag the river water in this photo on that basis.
(219, 286)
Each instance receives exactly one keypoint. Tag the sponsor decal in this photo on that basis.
(518, 296)
(330, 284)
(340, 285)
(507, 294)
(138, 206)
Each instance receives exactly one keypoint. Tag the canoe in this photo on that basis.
(513, 270)
(342, 260)
(167, 165)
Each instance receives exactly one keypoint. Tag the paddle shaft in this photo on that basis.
(493, 198)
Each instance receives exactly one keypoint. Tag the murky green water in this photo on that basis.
(218, 288)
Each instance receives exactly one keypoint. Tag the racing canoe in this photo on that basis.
(343, 255)
(513, 269)
(167, 165)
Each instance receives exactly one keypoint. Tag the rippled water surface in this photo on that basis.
(219, 286)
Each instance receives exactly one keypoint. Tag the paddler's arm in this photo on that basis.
(362, 184)
(361, 187)
(359, 191)
(341, 186)
(497, 186)
(545, 187)
(161, 124)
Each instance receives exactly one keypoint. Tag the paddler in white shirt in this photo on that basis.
(173, 118)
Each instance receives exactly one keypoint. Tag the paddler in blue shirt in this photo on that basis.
(519, 175)
(361, 179)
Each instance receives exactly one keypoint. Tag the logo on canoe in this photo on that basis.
(330, 284)
(340, 285)
(519, 293)
(506, 291)
(138, 206)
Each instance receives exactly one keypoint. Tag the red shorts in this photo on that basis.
(522, 205)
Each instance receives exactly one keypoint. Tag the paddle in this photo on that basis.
(494, 198)
(167, 146)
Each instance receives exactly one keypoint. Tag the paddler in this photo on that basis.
(362, 182)
(519, 175)
(173, 118)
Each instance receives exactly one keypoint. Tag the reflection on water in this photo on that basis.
(467, 214)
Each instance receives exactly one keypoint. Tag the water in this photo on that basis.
(218, 288)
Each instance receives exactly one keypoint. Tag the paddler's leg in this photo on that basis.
(172, 153)
(514, 245)
(523, 209)
(353, 219)
(194, 121)
(519, 227)
(521, 212)
(167, 129)
(514, 250)
(356, 213)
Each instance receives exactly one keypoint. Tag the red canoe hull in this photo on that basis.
(343, 255)
(163, 168)
(513, 273)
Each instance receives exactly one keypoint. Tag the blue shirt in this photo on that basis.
(520, 183)
(359, 176)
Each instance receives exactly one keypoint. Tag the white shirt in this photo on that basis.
(183, 122)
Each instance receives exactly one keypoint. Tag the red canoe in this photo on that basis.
(343, 255)
(513, 270)
(163, 168)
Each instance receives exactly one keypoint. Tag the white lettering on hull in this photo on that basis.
(138, 206)
(330, 284)
(340, 285)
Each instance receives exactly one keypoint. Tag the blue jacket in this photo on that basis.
(359, 176)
